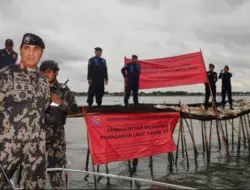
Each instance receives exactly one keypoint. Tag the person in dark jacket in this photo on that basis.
(226, 86)
(62, 103)
(131, 73)
(212, 79)
(7, 55)
(97, 77)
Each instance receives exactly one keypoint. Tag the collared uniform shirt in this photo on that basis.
(7, 58)
(97, 69)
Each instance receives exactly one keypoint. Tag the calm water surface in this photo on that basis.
(220, 174)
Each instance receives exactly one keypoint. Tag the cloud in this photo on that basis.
(149, 3)
(148, 28)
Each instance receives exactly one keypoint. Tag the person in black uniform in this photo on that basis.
(131, 73)
(97, 76)
(226, 86)
(7, 55)
(212, 79)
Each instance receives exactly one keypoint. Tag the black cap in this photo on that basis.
(8, 41)
(98, 49)
(49, 65)
(134, 57)
(32, 39)
(211, 65)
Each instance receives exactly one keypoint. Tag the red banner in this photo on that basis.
(120, 137)
(172, 71)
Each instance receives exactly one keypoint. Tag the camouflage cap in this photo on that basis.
(49, 65)
(32, 39)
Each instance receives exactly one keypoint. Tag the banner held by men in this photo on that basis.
(179, 70)
(125, 136)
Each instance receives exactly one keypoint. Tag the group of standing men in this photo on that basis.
(34, 106)
(226, 88)
(33, 109)
(98, 76)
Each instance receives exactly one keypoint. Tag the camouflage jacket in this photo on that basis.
(24, 97)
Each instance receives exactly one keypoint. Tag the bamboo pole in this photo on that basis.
(232, 134)
(192, 138)
(202, 136)
(239, 136)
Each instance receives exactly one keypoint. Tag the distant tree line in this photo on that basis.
(161, 93)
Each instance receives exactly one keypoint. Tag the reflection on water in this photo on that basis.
(220, 174)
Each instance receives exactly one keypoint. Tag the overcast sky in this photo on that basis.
(148, 28)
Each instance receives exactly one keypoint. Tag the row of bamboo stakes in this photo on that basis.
(240, 136)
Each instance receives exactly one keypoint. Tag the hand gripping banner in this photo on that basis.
(179, 70)
(120, 137)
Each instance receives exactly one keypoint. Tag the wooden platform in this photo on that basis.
(193, 111)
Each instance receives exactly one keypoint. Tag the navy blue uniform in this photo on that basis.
(212, 78)
(131, 73)
(226, 87)
(97, 72)
(6, 58)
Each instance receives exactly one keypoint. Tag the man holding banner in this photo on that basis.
(212, 79)
(131, 73)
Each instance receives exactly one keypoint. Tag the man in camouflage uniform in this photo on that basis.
(63, 102)
(24, 97)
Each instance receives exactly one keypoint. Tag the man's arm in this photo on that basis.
(220, 75)
(230, 75)
(90, 68)
(5, 80)
(206, 83)
(123, 70)
(216, 77)
(69, 102)
(105, 71)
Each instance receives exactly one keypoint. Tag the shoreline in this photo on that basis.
(108, 95)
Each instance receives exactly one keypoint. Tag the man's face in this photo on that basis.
(211, 68)
(225, 69)
(9, 47)
(50, 75)
(98, 53)
(134, 60)
(30, 55)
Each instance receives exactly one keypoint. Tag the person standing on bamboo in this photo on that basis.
(212, 79)
(97, 77)
(131, 73)
(226, 87)
(24, 97)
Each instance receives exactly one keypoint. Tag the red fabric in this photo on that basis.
(119, 137)
(172, 71)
